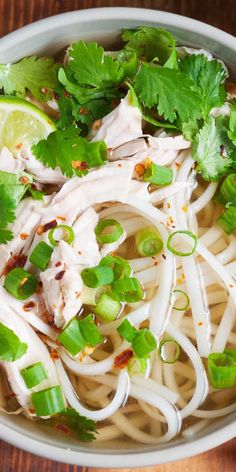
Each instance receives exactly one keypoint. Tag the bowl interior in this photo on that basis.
(49, 37)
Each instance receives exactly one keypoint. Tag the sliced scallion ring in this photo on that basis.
(221, 370)
(127, 290)
(97, 276)
(171, 241)
(20, 283)
(48, 402)
(169, 350)
(107, 309)
(148, 242)
(34, 374)
(184, 306)
(67, 234)
(143, 343)
(137, 366)
(121, 268)
(41, 255)
(108, 231)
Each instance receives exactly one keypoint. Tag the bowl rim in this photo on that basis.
(134, 459)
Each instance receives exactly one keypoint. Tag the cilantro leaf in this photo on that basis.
(31, 73)
(11, 347)
(92, 67)
(228, 220)
(85, 94)
(12, 191)
(84, 428)
(232, 123)
(73, 112)
(212, 149)
(63, 148)
(171, 91)
(150, 43)
(209, 77)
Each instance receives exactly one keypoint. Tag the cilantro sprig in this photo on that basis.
(84, 428)
(37, 75)
(70, 152)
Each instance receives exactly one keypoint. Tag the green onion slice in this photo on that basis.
(48, 402)
(80, 333)
(108, 231)
(228, 220)
(107, 309)
(137, 366)
(127, 331)
(71, 337)
(20, 283)
(90, 331)
(127, 290)
(148, 242)
(169, 350)
(158, 175)
(177, 306)
(143, 343)
(34, 374)
(97, 276)
(41, 255)
(11, 347)
(228, 188)
(221, 370)
(121, 268)
(66, 234)
(174, 239)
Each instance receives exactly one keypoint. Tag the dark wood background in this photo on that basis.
(220, 13)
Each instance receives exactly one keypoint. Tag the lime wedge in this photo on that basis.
(22, 124)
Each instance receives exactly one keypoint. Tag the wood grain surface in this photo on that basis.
(220, 13)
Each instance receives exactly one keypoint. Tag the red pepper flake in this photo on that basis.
(96, 124)
(28, 306)
(54, 354)
(155, 263)
(231, 88)
(200, 323)
(56, 96)
(48, 317)
(77, 294)
(79, 252)
(177, 165)
(44, 90)
(40, 229)
(59, 275)
(62, 428)
(32, 411)
(119, 165)
(231, 286)
(11, 395)
(164, 256)
(75, 164)
(18, 146)
(140, 169)
(24, 236)
(122, 360)
(84, 165)
(83, 111)
(50, 225)
(58, 264)
(18, 260)
(24, 180)
(66, 94)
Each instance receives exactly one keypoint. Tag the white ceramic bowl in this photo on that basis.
(49, 36)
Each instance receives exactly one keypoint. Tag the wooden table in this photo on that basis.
(220, 13)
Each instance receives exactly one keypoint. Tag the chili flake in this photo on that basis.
(122, 359)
